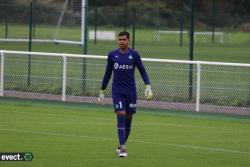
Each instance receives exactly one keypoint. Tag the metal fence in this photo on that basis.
(216, 87)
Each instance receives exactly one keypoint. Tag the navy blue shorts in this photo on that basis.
(125, 101)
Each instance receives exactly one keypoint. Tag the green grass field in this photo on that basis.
(66, 134)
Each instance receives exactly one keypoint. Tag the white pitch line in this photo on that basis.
(54, 134)
(112, 122)
(63, 116)
(194, 147)
(137, 141)
(59, 123)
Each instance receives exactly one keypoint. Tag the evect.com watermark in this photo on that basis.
(16, 156)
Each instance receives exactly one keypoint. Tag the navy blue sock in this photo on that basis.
(121, 128)
(128, 126)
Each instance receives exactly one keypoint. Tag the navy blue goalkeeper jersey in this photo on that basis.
(123, 67)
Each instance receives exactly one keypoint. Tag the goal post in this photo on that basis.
(58, 24)
(53, 23)
(218, 86)
(198, 36)
(60, 19)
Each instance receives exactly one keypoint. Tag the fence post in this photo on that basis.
(248, 101)
(30, 42)
(64, 78)
(191, 48)
(6, 8)
(213, 21)
(134, 24)
(95, 20)
(2, 74)
(34, 20)
(157, 16)
(181, 22)
(85, 42)
(125, 19)
(198, 87)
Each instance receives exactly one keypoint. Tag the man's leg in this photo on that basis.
(130, 110)
(121, 121)
(119, 106)
(128, 126)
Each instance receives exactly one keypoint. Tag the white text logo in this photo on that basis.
(123, 67)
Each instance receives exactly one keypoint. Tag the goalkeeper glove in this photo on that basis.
(101, 96)
(148, 92)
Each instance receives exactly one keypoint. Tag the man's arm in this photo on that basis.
(144, 75)
(107, 75)
(106, 78)
(142, 70)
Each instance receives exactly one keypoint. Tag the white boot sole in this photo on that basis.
(123, 155)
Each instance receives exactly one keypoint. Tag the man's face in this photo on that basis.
(123, 42)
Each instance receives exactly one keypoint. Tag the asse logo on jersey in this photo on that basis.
(123, 66)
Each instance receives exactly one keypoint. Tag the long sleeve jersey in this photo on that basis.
(123, 66)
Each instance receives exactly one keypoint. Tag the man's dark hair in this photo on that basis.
(124, 33)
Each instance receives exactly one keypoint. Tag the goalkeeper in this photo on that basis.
(122, 63)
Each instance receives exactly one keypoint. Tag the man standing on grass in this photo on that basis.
(122, 62)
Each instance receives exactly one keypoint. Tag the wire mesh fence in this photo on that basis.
(225, 85)
(221, 87)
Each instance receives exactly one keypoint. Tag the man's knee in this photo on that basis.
(121, 112)
(129, 116)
